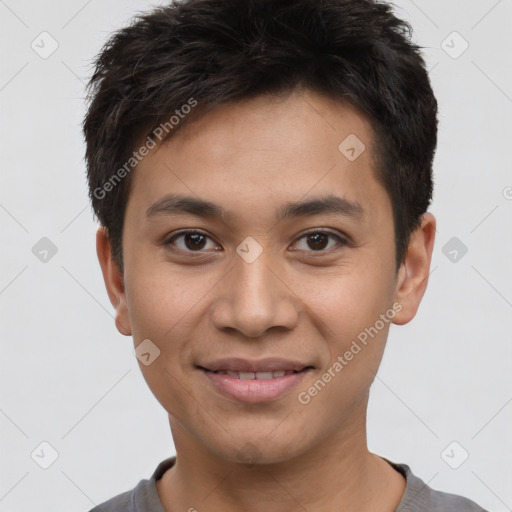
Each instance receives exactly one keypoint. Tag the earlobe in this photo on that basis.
(114, 282)
(414, 273)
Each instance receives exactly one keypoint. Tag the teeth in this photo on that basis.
(264, 375)
(255, 375)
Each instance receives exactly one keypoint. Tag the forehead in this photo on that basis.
(265, 152)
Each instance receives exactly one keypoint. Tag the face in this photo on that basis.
(259, 261)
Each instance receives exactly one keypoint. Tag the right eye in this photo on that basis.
(190, 241)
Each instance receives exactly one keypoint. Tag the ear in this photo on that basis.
(414, 272)
(113, 281)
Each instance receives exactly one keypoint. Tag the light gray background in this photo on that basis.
(70, 379)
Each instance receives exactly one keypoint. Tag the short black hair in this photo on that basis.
(211, 52)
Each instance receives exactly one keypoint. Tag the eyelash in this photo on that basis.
(341, 241)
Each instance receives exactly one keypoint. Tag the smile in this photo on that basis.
(254, 382)
(256, 375)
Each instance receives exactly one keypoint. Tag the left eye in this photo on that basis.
(319, 241)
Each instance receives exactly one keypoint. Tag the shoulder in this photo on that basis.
(419, 497)
(142, 498)
(124, 501)
(445, 501)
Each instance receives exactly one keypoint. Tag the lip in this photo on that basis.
(254, 390)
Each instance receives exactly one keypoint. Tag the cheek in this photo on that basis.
(356, 338)
(163, 314)
(167, 384)
(345, 304)
(348, 311)
(162, 302)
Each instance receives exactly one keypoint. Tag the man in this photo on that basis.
(262, 171)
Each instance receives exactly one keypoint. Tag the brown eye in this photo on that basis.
(191, 241)
(317, 241)
(194, 241)
(320, 241)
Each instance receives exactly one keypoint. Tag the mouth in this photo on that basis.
(256, 375)
(254, 381)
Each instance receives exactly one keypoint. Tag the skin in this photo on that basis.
(293, 301)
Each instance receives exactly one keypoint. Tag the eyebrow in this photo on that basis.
(176, 204)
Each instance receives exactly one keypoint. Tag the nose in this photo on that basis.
(253, 299)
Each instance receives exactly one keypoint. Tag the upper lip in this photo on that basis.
(261, 365)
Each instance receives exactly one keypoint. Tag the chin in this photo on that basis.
(261, 449)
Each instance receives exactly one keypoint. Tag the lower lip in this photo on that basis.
(254, 390)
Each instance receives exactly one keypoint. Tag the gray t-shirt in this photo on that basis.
(418, 496)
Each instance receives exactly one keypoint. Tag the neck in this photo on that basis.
(339, 473)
